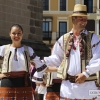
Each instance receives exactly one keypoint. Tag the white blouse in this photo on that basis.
(19, 65)
(74, 90)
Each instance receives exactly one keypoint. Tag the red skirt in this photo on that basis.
(53, 96)
(19, 93)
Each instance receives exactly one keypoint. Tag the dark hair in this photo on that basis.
(17, 25)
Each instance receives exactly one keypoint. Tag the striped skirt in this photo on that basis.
(23, 93)
(15, 89)
(76, 99)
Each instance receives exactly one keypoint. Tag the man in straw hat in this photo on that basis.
(77, 53)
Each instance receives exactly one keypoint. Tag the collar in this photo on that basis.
(83, 31)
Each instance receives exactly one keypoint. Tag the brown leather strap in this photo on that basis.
(16, 74)
(56, 81)
(71, 78)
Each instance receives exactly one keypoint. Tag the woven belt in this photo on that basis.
(37, 79)
(56, 81)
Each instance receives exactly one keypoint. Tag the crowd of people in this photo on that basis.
(69, 73)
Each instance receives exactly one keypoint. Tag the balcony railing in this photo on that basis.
(48, 36)
(59, 34)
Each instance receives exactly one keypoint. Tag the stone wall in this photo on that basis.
(27, 13)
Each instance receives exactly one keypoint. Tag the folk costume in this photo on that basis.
(76, 55)
(70, 89)
(16, 63)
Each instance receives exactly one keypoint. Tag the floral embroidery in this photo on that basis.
(73, 44)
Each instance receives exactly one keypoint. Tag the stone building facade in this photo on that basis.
(27, 13)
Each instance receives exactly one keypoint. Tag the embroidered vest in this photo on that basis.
(48, 78)
(62, 70)
(8, 56)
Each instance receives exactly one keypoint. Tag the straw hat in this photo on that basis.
(79, 10)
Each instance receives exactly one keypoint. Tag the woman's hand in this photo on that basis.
(2, 76)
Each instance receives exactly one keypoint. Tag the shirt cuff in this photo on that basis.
(85, 73)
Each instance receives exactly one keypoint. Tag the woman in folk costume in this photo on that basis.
(15, 83)
(77, 53)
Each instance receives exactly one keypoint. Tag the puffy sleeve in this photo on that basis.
(39, 65)
(2, 51)
(57, 55)
(94, 63)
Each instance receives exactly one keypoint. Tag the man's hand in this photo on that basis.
(80, 78)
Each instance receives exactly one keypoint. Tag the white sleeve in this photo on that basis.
(36, 59)
(94, 63)
(57, 55)
(2, 50)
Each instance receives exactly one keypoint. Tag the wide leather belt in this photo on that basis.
(56, 81)
(18, 74)
(71, 78)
